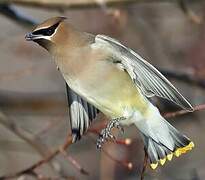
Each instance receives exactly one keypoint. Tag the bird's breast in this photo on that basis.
(103, 84)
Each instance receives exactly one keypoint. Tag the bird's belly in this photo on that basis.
(109, 89)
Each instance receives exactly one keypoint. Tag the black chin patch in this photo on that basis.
(44, 43)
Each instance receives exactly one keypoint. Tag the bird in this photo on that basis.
(103, 75)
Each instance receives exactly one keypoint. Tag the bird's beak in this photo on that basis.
(30, 36)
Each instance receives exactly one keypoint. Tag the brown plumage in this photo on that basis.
(104, 75)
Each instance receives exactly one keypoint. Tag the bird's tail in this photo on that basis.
(162, 140)
(158, 152)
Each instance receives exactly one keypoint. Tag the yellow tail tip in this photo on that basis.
(162, 161)
(191, 144)
(154, 165)
(177, 153)
(169, 156)
(183, 150)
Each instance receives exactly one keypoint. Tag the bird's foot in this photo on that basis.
(106, 133)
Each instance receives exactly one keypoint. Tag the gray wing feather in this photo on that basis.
(81, 114)
(150, 81)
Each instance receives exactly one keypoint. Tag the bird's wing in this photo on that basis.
(150, 81)
(81, 114)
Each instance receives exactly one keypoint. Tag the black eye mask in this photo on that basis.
(47, 31)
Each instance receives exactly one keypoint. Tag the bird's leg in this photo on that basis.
(107, 134)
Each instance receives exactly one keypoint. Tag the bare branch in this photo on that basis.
(62, 4)
(30, 169)
(13, 14)
(144, 164)
(190, 14)
(182, 112)
(126, 164)
(7, 123)
(74, 163)
(68, 142)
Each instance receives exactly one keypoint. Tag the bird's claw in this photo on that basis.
(104, 136)
(106, 133)
(119, 127)
(116, 123)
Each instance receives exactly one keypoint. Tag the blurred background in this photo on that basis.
(34, 121)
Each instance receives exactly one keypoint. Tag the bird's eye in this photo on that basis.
(49, 32)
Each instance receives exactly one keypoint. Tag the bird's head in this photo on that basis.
(49, 33)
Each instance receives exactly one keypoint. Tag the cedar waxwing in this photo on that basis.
(104, 75)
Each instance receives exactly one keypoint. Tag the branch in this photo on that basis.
(62, 4)
(74, 163)
(144, 164)
(7, 123)
(13, 14)
(190, 14)
(182, 112)
(30, 169)
(126, 164)
(68, 142)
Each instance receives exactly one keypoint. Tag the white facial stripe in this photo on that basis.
(42, 37)
(46, 37)
(45, 27)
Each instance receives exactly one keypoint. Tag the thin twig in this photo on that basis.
(69, 141)
(50, 126)
(62, 4)
(144, 164)
(190, 14)
(7, 123)
(74, 163)
(41, 162)
(126, 164)
(182, 112)
(102, 125)
(12, 13)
